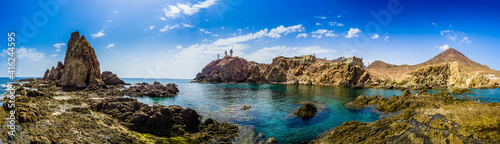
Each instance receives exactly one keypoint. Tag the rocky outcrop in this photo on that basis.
(439, 76)
(54, 74)
(154, 90)
(306, 112)
(283, 70)
(461, 91)
(168, 121)
(111, 79)
(424, 118)
(81, 67)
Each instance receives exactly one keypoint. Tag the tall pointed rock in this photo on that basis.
(81, 67)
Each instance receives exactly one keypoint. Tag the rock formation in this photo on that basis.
(306, 112)
(81, 67)
(111, 79)
(54, 74)
(282, 70)
(154, 90)
(425, 118)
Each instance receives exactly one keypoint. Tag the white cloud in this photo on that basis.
(109, 21)
(336, 24)
(30, 54)
(375, 36)
(304, 35)
(454, 35)
(267, 54)
(320, 17)
(273, 33)
(162, 18)
(115, 11)
(110, 45)
(434, 24)
(53, 55)
(174, 11)
(151, 27)
(98, 34)
(58, 46)
(187, 25)
(167, 27)
(444, 47)
(352, 33)
(320, 32)
(386, 39)
(178, 47)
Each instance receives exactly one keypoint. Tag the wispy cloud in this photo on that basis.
(30, 54)
(273, 33)
(110, 45)
(375, 36)
(98, 34)
(454, 35)
(444, 47)
(304, 35)
(320, 17)
(174, 11)
(149, 28)
(352, 33)
(168, 27)
(58, 46)
(386, 39)
(323, 32)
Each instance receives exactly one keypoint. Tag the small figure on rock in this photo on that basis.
(225, 53)
(231, 52)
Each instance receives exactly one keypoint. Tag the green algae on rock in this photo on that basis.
(307, 111)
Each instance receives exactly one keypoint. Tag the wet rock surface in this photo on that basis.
(425, 118)
(153, 90)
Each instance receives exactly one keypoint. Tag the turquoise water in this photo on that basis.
(273, 105)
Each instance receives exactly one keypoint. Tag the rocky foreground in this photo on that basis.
(422, 118)
(283, 70)
(48, 115)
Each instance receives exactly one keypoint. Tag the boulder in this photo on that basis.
(307, 111)
(81, 67)
(461, 91)
(111, 79)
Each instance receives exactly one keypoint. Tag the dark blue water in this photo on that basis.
(273, 105)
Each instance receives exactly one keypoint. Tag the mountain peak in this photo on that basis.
(453, 55)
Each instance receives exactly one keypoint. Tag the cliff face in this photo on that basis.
(282, 70)
(54, 74)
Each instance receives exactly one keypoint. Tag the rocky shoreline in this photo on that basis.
(423, 118)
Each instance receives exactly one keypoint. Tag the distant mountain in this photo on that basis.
(447, 56)
(452, 55)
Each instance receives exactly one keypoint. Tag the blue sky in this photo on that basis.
(175, 39)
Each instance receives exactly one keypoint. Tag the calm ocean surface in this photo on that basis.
(273, 105)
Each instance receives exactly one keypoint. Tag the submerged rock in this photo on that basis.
(111, 79)
(154, 90)
(307, 111)
(246, 107)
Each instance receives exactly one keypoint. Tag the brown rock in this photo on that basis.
(111, 79)
(81, 67)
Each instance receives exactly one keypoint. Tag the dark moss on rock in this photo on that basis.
(307, 111)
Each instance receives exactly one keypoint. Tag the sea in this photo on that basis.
(272, 105)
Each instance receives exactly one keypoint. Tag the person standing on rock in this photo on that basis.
(225, 53)
(231, 52)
